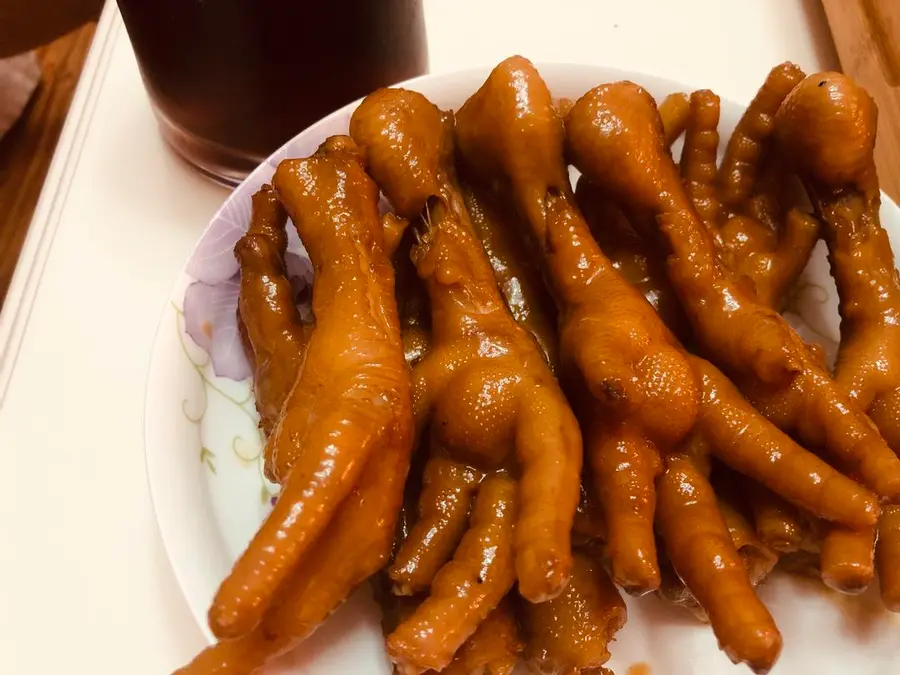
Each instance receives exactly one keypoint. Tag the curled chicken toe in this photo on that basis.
(611, 340)
(675, 111)
(276, 336)
(466, 589)
(702, 552)
(448, 491)
(698, 157)
(352, 399)
(748, 144)
(762, 235)
(484, 391)
(827, 125)
(778, 524)
(758, 558)
(626, 155)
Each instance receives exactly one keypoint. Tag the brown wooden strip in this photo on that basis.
(867, 36)
(26, 150)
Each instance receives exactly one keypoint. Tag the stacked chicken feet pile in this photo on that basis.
(594, 387)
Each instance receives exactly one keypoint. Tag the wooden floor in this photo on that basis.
(26, 150)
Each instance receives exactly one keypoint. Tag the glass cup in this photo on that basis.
(232, 80)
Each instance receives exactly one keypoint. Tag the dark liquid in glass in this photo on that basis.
(232, 80)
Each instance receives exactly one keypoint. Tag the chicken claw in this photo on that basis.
(484, 390)
(355, 545)
(727, 425)
(749, 444)
(827, 125)
(610, 337)
(746, 205)
(628, 359)
(352, 400)
(700, 547)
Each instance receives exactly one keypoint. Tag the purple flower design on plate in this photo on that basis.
(210, 318)
(211, 301)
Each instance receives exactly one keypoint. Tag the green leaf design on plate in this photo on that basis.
(207, 456)
(194, 412)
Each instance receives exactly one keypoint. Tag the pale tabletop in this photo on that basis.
(85, 582)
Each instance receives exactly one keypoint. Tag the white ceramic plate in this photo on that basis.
(209, 495)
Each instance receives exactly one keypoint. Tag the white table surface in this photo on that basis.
(84, 581)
